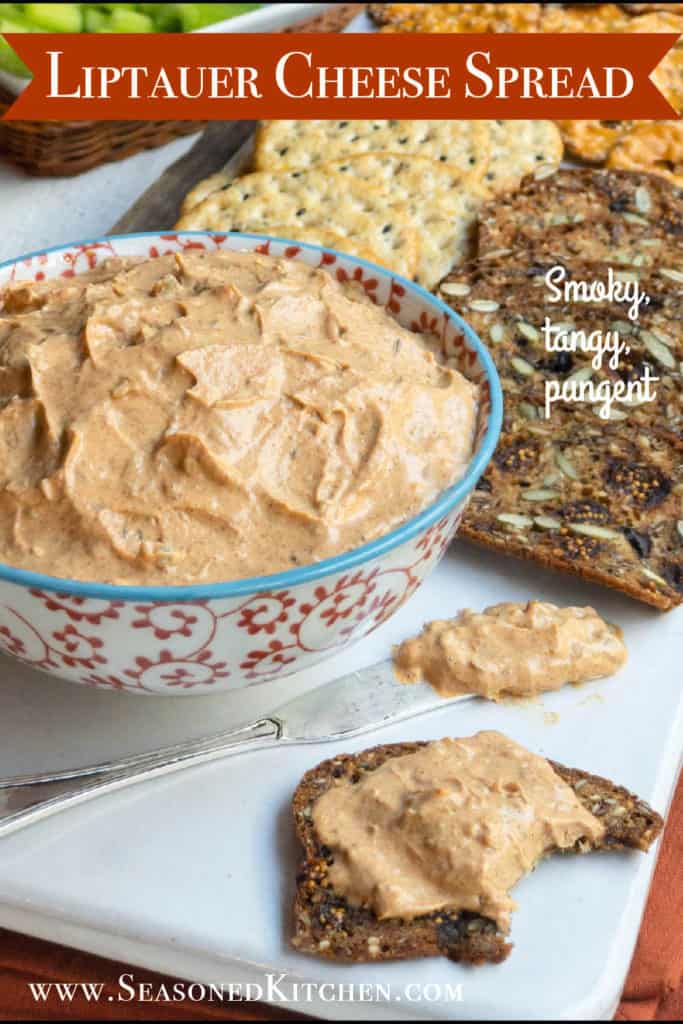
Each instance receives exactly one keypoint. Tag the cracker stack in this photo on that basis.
(600, 499)
(656, 147)
(404, 194)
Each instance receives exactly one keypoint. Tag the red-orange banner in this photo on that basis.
(239, 76)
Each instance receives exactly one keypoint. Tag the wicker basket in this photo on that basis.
(58, 148)
(64, 148)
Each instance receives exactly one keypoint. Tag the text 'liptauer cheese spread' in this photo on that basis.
(213, 416)
(452, 826)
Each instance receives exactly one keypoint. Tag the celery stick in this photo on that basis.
(199, 15)
(15, 25)
(10, 11)
(9, 61)
(18, 23)
(54, 17)
(189, 16)
(94, 20)
(129, 21)
(164, 16)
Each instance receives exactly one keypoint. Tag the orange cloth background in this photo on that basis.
(653, 990)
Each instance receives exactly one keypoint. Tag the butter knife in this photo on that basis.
(350, 706)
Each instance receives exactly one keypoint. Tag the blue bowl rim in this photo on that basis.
(327, 567)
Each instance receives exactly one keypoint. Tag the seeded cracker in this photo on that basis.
(327, 926)
(204, 188)
(657, 21)
(593, 140)
(283, 145)
(367, 200)
(471, 17)
(584, 18)
(311, 200)
(603, 500)
(656, 147)
(673, 8)
(404, 176)
(518, 148)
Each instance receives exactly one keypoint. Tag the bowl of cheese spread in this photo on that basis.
(223, 457)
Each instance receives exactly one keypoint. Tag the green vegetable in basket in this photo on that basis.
(124, 20)
(106, 18)
(165, 16)
(194, 16)
(94, 20)
(9, 61)
(54, 17)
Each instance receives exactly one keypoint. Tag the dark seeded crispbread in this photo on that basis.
(599, 499)
(518, 281)
(612, 240)
(327, 926)
(600, 213)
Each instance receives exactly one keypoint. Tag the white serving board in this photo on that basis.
(194, 874)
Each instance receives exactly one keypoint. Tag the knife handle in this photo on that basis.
(29, 798)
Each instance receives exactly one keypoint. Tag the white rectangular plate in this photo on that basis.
(194, 874)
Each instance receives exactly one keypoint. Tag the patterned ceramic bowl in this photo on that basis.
(215, 637)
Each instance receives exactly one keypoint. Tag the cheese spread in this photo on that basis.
(517, 650)
(452, 826)
(212, 416)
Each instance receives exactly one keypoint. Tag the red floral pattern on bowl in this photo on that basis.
(206, 639)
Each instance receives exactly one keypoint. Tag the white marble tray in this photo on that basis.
(193, 875)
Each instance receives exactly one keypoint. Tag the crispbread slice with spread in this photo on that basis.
(327, 926)
(313, 199)
(286, 145)
(600, 499)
